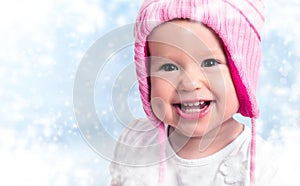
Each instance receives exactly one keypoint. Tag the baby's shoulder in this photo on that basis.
(139, 132)
(264, 151)
(266, 167)
(265, 164)
(138, 144)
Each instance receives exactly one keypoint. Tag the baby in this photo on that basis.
(197, 64)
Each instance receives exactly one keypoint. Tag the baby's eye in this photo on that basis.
(169, 67)
(209, 63)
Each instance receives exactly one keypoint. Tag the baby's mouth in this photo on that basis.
(193, 107)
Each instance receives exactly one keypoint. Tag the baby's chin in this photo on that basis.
(189, 130)
(194, 129)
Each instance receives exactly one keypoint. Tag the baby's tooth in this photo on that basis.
(196, 103)
(202, 102)
(190, 104)
(191, 110)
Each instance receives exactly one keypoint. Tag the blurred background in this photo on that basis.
(41, 46)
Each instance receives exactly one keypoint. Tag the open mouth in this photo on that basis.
(193, 110)
(193, 107)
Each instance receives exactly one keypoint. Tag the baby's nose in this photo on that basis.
(191, 80)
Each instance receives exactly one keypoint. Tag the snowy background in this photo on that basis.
(41, 46)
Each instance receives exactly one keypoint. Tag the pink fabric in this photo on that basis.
(253, 153)
(239, 25)
(162, 166)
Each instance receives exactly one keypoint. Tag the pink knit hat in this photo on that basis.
(239, 25)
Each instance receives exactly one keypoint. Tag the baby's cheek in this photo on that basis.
(231, 99)
(158, 108)
(217, 82)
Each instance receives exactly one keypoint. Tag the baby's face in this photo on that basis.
(191, 85)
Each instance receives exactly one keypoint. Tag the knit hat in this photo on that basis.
(238, 23)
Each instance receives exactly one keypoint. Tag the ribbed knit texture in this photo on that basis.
(162, 166)
(239, 25)
(253, 152)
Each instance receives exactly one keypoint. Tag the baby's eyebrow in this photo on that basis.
(163, 58)
(211, 54)
(211, 51)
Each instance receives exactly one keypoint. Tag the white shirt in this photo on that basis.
(137, 161)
